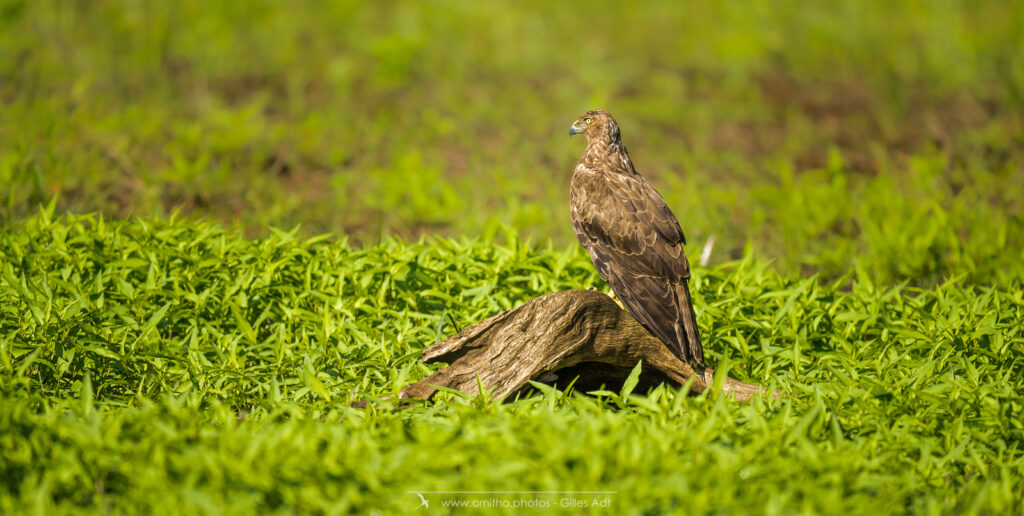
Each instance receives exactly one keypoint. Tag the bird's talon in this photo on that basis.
(615, 298)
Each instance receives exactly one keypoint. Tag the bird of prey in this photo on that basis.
(633, 238)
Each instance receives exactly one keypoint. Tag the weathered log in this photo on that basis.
(572, 334)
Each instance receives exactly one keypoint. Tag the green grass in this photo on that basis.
(154, 364)
(786, 126)
(858, 164)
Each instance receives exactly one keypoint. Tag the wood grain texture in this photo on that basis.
(570, 333)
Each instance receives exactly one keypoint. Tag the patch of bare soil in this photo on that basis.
(860, 123)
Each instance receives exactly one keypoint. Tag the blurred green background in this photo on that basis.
(842, 150)
(881, 136)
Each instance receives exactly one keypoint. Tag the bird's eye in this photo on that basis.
(587, 120)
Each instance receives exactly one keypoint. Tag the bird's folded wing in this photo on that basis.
(624, 220)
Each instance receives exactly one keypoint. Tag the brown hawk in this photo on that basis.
(632, 236)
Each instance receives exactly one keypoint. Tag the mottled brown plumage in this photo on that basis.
(633, 238)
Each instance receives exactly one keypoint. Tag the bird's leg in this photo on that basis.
(611, 294)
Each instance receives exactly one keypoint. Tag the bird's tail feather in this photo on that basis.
(691, 340)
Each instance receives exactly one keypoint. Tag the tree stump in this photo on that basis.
(580, 335)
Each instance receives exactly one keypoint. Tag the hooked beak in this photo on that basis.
(573, 130)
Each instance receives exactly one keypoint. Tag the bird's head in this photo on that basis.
(597, 125)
